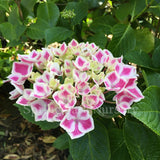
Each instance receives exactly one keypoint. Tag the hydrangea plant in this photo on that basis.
(69, 82)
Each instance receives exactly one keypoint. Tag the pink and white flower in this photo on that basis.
(26, 98)
(14, 94)
(54, 113)
(21, 68)
(81, 63)
(39, 108)
(91, 101)
(41, 90)
(61, 50)
(82, 88)
(77, 122)
(79, 76)
(124, 99)
(33, 57)
(114, 82)
(65, 97)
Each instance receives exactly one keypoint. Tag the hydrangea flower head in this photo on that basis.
(69, 82)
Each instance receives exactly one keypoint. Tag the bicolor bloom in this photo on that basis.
(100, 56)
(61, 51)
(77, 122)
(124, 99)
(41, 90)
(91, 101)
(81, 63)
(26, 98)
(54, 113)
(79, 76)
(39, 108)
(33, 57)
(14, 94)
(17, 78)
(82, 88)
(69, 81)
(114, 82)
(65, 97)
(21, 68)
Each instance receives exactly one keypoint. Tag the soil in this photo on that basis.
(21, 140)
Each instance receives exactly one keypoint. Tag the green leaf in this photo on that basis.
(140, 58)
(141, 142)
(29, 4)
(49, 12)
(123, 11)
(14, 16)
(47, 17)
(62, 142)
(156, 56)
(151, 78)
(102, 24)
(57, 34)
(99, 39)
(8, 31)
(155, 8)
(93, 146)
(118, 147)
(27, 113)
(148, 109)
(144, 40)
(4, 4)
(92, 3)
(123, 40)
(80, 9)
(36, 31)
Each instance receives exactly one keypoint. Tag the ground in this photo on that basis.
(22, 140)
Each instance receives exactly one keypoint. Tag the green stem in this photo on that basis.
(147, 6)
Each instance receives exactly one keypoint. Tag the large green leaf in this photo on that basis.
(57, 34)
(140, 58)
(151, 78)
(144, 40)
(141, 142)
(123, 11)
(62, 142)
(49, 12)
(99, 39)
(102, 24)
(80, 9)
(47, 17)
(36, 31)
(27, 113)
(92, 146)
(156, 56)
(8, 31)
(14, 17)
(118, 147)
(29, 4)
(148, 109)
(123, 39)
(134, 8)
(4, 4)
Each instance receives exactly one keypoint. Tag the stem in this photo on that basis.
(157, 28)
(105, 92)
(147, 6)
(19, 9)
(110, 102)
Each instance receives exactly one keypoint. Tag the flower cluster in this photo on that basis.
(69, 82)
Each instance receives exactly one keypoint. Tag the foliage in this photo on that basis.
(126, 27)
